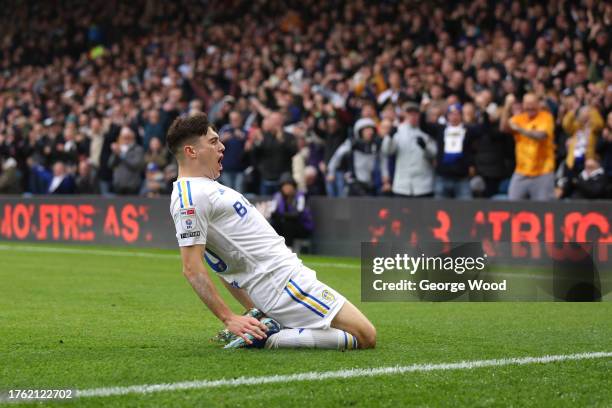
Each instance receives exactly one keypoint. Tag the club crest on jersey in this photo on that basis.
(327, 295)
(188, 218)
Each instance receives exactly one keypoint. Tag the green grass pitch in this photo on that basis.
(88, 320)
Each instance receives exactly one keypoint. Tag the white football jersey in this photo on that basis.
(241, 246)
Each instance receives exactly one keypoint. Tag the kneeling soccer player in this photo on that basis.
(252, 260)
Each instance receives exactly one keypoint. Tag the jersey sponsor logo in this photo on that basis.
(188, 218)
(187, 212)
(191, 234)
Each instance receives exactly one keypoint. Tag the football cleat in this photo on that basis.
(273, 328)
(224, 336)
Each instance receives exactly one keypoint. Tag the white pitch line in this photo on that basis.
(85, 251)
(330, 375)
(340, 374)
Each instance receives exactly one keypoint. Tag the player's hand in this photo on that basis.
(243, 325)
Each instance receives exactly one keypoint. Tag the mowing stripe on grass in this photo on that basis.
(340, 374)
(151, 255)
(107, 252)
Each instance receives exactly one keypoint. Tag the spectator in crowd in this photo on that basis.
(604, 147)
(273, 149)
(105, 172)
(10, 182)
(363, 155)
(127, 163)
(87, 181)
(309, 156)
(591, 183)
(157, 153)
(415, 152)
(233, 136)
(299, 161)
(148, 62)
(583, 128)
(95, 133)
(394, 94)
(154, 183)
(468, 114)
(333, 133)
(62, 182)
(533, 131)
(38, 176)
(291, 218)
(455, 154)
(313, 182)
(494, 155)
(153, 128)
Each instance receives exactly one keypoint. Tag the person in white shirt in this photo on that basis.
(415, 153)
(252, 260)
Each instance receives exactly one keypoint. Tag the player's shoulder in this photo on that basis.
(193, 192)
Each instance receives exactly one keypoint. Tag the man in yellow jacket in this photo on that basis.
(533, 131)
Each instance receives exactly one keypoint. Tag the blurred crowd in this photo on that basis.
(500, 99)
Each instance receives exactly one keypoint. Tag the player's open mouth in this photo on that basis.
(219, 161)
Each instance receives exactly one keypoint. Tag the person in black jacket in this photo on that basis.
(273, 150)
(333, 132)
(87, 181)
(591, 183)
(604, 146)
(455, 158)
(494, 157)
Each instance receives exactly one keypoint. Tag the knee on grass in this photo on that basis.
(366, 337)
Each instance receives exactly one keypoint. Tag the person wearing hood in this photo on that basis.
(364, 159)
(415, 153)
(291, 218)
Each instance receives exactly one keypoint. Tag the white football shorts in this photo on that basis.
(306, 303)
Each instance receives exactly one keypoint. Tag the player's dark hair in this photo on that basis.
(184, 129)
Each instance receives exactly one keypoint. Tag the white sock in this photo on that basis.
(312, 338)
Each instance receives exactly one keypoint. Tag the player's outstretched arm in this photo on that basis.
(197, 275)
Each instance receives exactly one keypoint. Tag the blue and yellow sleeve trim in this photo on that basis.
(184, 193)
